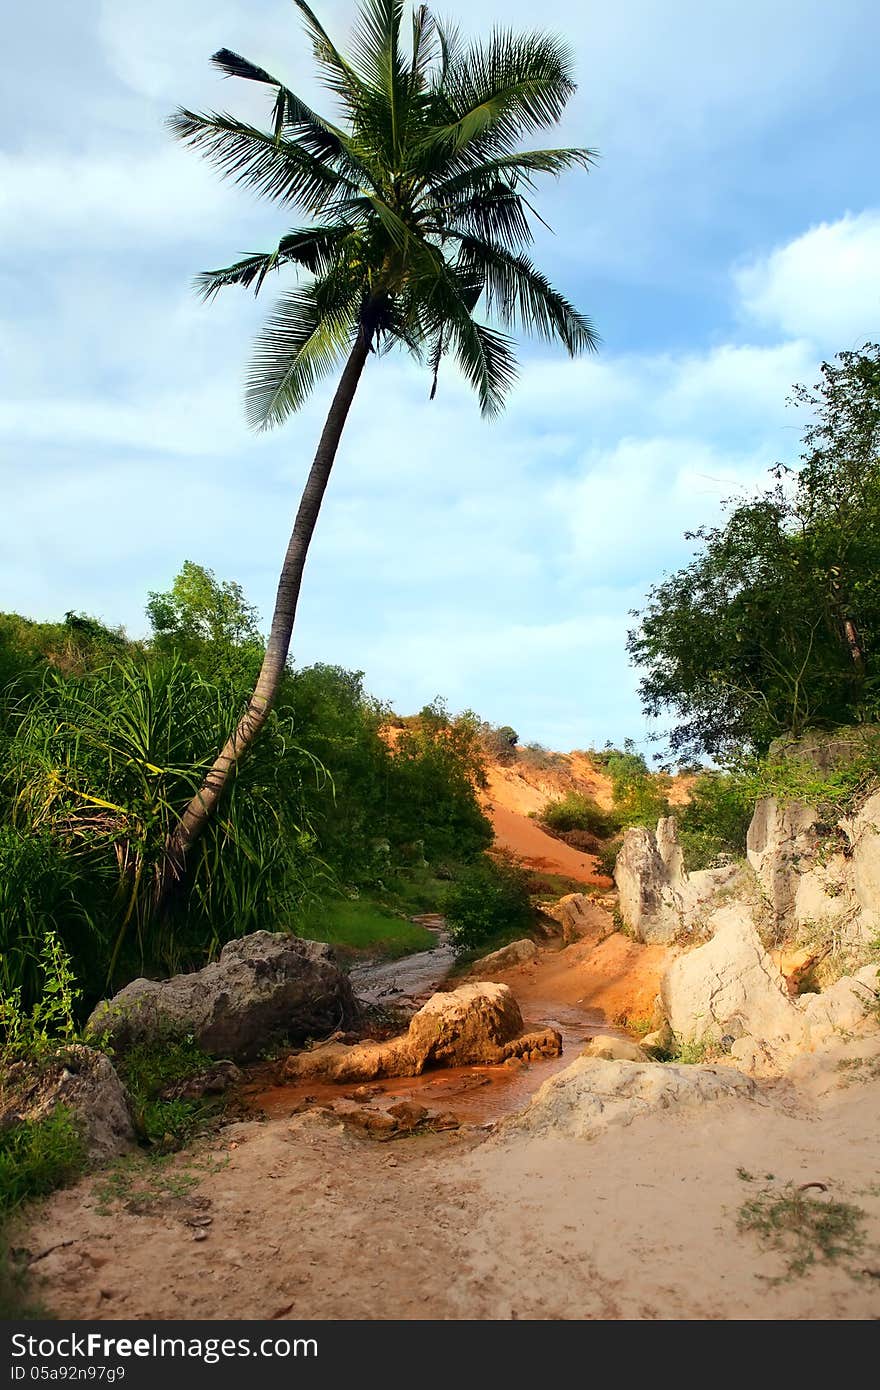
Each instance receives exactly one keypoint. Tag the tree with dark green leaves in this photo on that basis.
(775, 625)
(416, 219)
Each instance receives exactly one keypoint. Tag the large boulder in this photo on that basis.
(659, 901)
(592, 1094)
(578, 915)
(506, 958)
(732, 987)
(264, 987)
(477, 1023)
(845, 1007)
(85, 1083)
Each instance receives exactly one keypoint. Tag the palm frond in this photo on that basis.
(339, 76)
(304, 339)
(498, 91)
(278, 169)
(521, 296)
(311, 247)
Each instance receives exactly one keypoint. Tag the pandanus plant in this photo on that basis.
(417, 216)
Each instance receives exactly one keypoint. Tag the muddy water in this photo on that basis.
(476, 1095)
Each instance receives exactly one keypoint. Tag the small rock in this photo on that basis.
(615, 1050)
(408, 1113)
(200, 1235)
(373, 1121)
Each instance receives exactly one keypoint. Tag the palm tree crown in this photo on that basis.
(416, 204)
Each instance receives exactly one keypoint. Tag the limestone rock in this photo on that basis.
(658, 900)
(517, 953)
(615, 1050)
(263, 987)
(591, 1095)
(577, 915)
(864, 833)
(731, 986)
(83, 1080)
(477, 1023)
(781, 838)
(659, 1043)
(844, 1007)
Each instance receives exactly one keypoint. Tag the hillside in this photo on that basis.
(518, 787)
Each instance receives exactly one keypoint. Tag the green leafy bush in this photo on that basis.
(489, 898)
(148, 1069)
(37, 1156)
(50, 1020)
(575, 811)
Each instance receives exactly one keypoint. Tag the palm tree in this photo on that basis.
(417, 211)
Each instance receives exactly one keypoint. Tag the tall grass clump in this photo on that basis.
(95, 769)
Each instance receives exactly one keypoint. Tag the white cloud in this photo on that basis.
(824, 285)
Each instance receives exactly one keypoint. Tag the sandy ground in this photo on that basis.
(309, 1221)
(538, 850)
(298, 1217)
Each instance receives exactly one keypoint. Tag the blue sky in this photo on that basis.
(727, 241)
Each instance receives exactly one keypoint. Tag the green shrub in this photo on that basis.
(575, 811)
(607, 856)
(36, 1156)
(488, 899)
(32, 1034)
(148, 1069)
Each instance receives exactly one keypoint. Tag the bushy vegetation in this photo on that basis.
(489, 905)
(774, 627)
(103, 741)
(37, 1156)
(640, 796)
(575, 811)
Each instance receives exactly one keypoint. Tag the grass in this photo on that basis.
(150, 1068)
(694, 1054)
(804, 1229)
(363, 925)
(551, 887)
(36, 1156)
(142, 1182)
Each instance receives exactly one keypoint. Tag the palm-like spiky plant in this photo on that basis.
(418, 212)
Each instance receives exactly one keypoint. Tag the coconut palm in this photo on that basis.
(416, 213)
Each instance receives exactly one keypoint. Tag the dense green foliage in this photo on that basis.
(102, 741)
(575, 811)
(37, 1156)
(640, 796)
(775, 624)
(489, 901)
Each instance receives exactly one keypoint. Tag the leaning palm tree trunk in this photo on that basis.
(200, 809)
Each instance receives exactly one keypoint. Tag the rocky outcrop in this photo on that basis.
(517, 953)
(819, 876)
(731, 988)
(478, 1023)
(659, 901)
(85, 1083)
(591, 1095)
(578, 915)
(263, 987)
